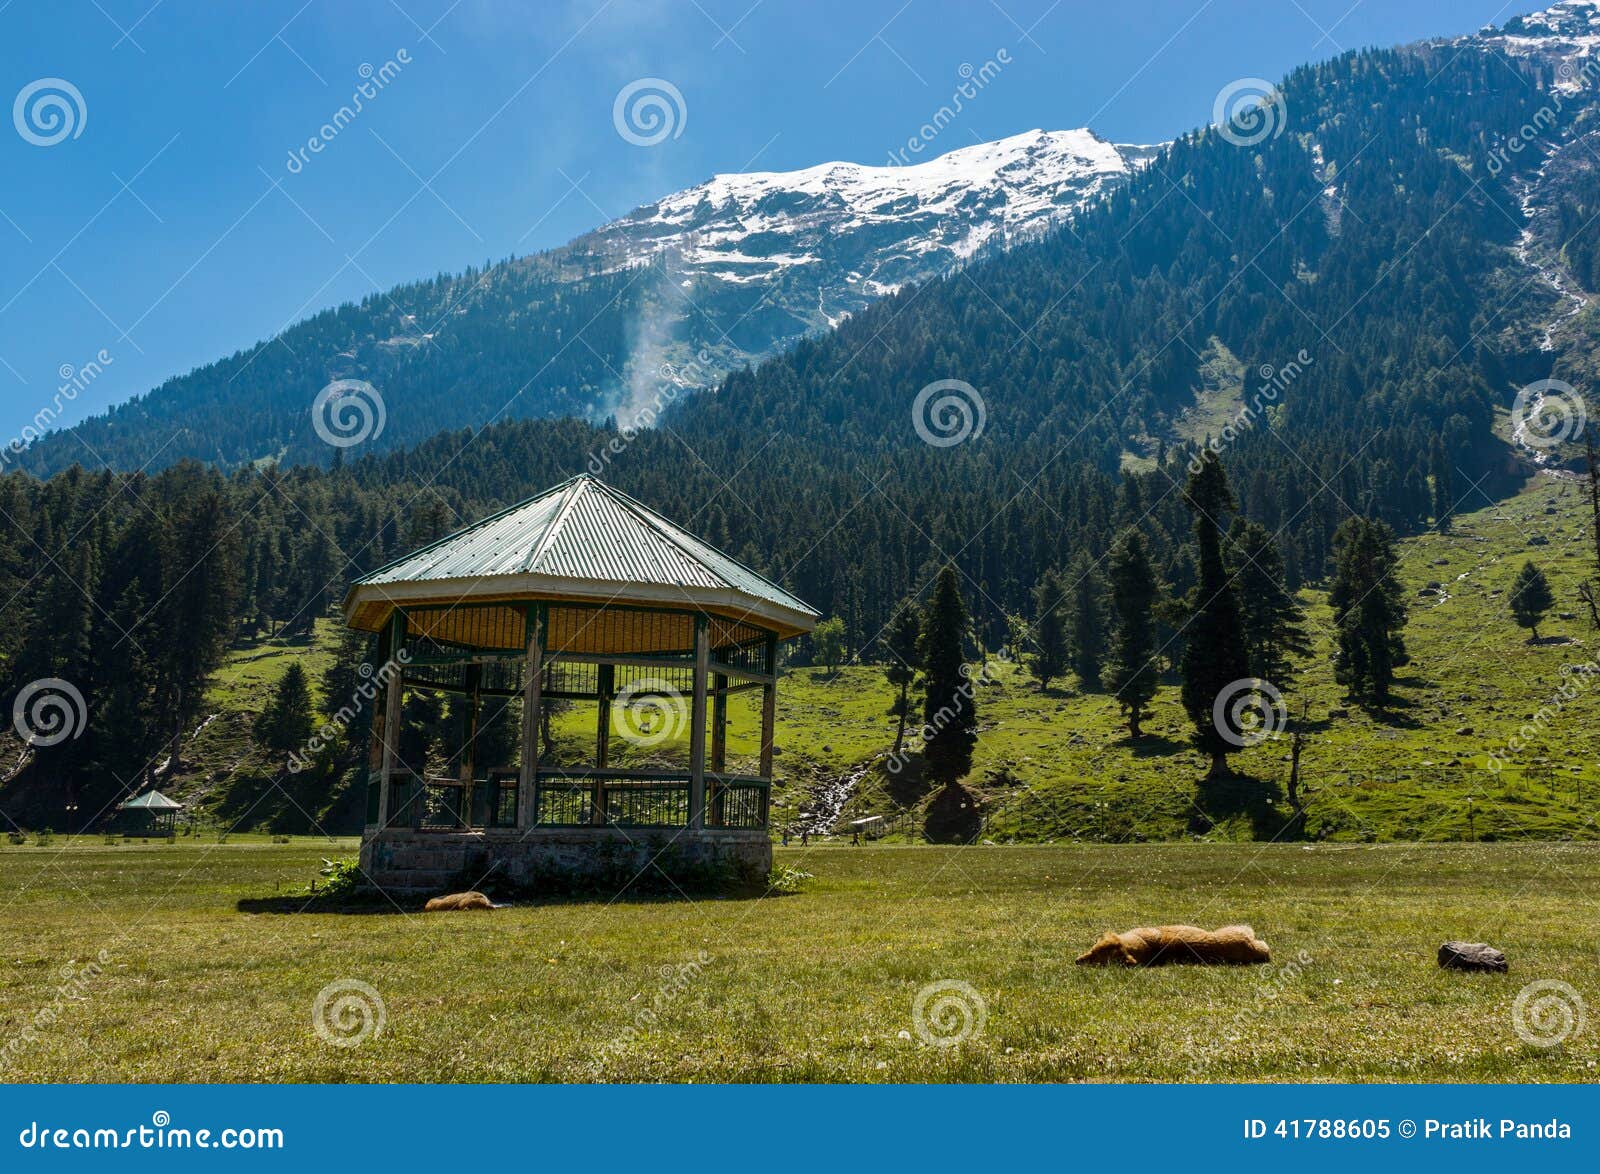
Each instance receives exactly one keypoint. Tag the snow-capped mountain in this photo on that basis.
(1565, 34)
(755, 261)
(894, 224)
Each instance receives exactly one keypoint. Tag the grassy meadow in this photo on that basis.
(210, 972)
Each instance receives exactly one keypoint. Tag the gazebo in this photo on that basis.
(151, 813)
(579, 606)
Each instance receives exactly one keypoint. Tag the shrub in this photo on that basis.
(344, 878)
(788, 880)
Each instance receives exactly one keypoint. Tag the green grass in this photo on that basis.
(816, 986)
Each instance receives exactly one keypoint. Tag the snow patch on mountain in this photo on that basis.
(1564, 33)
(915, 220)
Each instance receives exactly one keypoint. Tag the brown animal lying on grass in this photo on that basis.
(1235, 945)
(458, 901)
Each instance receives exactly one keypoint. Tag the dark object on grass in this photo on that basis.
(1472, 956)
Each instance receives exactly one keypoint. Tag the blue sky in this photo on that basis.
(175, 225)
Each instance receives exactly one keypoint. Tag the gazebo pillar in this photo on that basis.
(697, 724)
(719, 724)
(467, 768)
(389, 730)
(769, 709)
(532, 682)
(607, 684)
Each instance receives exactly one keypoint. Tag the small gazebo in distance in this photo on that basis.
(579, 606)
(149, 814)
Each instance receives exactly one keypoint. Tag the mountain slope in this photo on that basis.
(668, 298)
(1372, 248)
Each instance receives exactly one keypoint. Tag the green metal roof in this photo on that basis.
(150, 801)
(586, 539)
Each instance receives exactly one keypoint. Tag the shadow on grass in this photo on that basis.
(1394, 709)
(1154, 746)
(370, 903)
(1241, 796)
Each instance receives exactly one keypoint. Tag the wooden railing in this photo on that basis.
(620, 798)
(585, 797)
(736, 801)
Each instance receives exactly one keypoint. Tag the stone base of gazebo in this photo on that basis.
(403, 861)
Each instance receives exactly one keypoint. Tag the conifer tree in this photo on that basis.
(950, 721)
(1049, 659)
(1444, 494)
(1214, 655)
(1130, 671)
(286, 723)
(1274, 621)
(1087, 628)
(1530, 598)
(1369, 609)
(900, 643)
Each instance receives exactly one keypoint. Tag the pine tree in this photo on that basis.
(285, 725)
(1130, 670)
(1274, 621)
(950, 721)
(1214, 656)
(900, 644)
(1531, 598)
(1087, 626)
(1444, 494)
(1049, 659)
(1369, 609)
